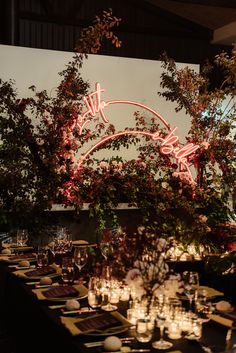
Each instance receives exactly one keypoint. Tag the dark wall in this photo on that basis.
(146, 30)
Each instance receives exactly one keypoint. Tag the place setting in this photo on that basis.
(118, 194)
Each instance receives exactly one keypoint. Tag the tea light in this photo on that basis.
(132, 316)
(115, 296)
(125, 294)
(197, 328)
(141, 326)
(174, 331)
(186, 325)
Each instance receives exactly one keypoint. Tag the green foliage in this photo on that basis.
(35, 149)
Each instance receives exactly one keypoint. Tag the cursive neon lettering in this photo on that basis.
(168, 145)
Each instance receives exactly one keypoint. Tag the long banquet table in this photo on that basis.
(37, 328)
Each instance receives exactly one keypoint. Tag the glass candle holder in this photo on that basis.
(174, 330)
(144, 329)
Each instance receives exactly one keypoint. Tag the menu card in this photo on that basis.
(100, 322)
(61, 292)
(47, 270)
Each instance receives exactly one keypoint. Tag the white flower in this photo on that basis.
(103, 165)
(120, 165)
(134, 278)
(165, 185)
(39, 141)
(140, 230)
(161, 244)
(202, 218)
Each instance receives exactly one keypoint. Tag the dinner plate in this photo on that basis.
(16, 247)
(80, 244)
(230, 310)
(113, 331)
(10, 260)
(114, 322)
(83, 293)
(51, 275)
(64, 299)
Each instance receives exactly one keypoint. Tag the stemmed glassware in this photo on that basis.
(191, 284)
(22, 237)
(106, 245)
(161, 344)
(80, 257)
(108, 286)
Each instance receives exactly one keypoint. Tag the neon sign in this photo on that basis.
(169, 145)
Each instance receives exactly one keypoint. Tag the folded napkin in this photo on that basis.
(210, 292)
(98, 323)
(221, 320)
(17, 258)
(61, 292)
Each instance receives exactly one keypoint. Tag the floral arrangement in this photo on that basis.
(39, 165)
(35, 154)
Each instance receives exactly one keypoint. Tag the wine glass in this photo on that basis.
(107, 244)
(108, 287)
(80, 257)
(22, 237)
(191, 284)
(161, 344)
(106, 249)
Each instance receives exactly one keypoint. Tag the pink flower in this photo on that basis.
(103, 165)
(205, 145)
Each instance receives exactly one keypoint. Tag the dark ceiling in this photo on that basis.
(212, 14)
(189, 30)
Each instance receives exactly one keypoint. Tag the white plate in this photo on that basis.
(191, 337)
(80, 288)
(64, 299)
(107, 333)
(51, 275)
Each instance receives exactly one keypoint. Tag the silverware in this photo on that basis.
(131, 350)
(46, 285)
(100, 343)
(78, 311)
(56, 306)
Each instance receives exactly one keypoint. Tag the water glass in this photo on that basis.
(67, 269)
(197, 328)
(42, 256)
(144, 329)
(94, 293)
(174, 330)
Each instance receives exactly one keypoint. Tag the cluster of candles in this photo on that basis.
(167, 311)
(112, 291)
(177, 253)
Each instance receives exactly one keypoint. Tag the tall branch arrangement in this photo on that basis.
(35, 149)
(39, 160)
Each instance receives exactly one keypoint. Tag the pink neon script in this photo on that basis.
(168, 145)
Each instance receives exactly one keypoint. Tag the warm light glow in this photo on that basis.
(168, 145)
